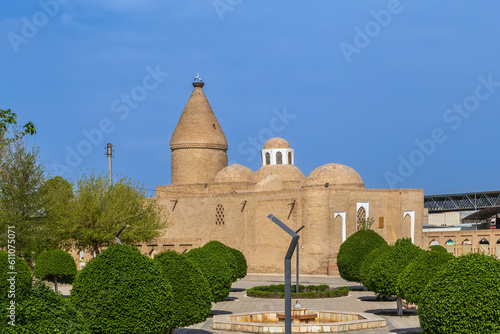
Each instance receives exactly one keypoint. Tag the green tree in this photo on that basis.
(215, 269)
(8, 118)
(415, 277)
(353, 250)
(23, 278)
(21, 176)
(367, 265)
(42, 311)
(438, 248)
(241, 261)
(217, 247)
(56, 266)
(98, 211)
(463, 297)
(387, 267)
(124, 292)
(190, 289)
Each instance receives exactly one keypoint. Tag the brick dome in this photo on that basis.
(286, 172)
(335, 175)
(236, 173)
(276, 142)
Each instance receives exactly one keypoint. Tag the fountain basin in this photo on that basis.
(325, 322)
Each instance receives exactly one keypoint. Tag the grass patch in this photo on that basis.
(309, 291)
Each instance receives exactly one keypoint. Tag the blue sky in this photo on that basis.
(405, 92)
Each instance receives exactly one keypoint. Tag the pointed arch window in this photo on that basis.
(279, 158)
(361, 218)
(268, 159)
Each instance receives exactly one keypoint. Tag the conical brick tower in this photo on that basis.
(198, 143)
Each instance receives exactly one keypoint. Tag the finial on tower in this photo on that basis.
(197, 81)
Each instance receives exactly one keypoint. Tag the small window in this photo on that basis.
(268, 159)
(361, 218)
(380, 222)
(219, 215)
(289, 158)
(279, 158)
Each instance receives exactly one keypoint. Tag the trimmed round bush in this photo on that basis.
(123, 291)
(217, 247)
(56, 266)
(215, 269)
(463, 297)
(23, 278)
(413, 280)
(367, 265)
(241, 261)
(353, 250)
(387, 266)
(190, 289)
(438, 248)
(41, 310)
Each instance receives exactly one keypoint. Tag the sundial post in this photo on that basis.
(288, 272)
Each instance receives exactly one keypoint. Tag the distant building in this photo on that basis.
(209, 200)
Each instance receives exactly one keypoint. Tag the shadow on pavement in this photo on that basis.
(392, 312)
(377, 299)
(229, 299)
(238, 289)
(217, 312)
(414, 330)
(191, 331)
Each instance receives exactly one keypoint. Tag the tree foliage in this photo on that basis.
(414, 278)
(241, 262)
(9, 118)
(387, 267)
(56, 266)
(23, 278)
(123, 291)
(97, 212)
(216, 270)
(190, 289)
(353, 250)
(367, 265)
(21, 176)
(438, 248)
(464, 297)
(223, 251)
(42, 311)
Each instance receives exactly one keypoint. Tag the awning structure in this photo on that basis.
(482, 216)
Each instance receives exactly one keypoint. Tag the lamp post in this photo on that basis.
(297, 265)
(288, 272)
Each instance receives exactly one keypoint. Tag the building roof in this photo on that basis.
(198, 127)
(276, 142)
(334, 175)
(286, 172)
(236, 173)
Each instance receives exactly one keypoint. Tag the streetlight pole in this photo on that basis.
(297, 264)
(288, 272)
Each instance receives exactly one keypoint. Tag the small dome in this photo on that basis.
(286, 172)
(276, 142)
(334, 174)
(235, 173)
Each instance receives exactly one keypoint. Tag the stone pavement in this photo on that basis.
(357, 301)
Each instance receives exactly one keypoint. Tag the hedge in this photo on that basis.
(216, 270)
(41, 311)
(414, 278)
(463, 297)
(56, 266)
(353, 250)
(310, 291)
(123, 291)
(190, 289)
(438, 248)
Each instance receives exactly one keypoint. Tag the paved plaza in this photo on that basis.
(357, 301)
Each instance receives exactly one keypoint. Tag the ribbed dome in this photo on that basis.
(286, 172)
(276, 142)
(334, 174)
(236, 173)
(198, 127)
